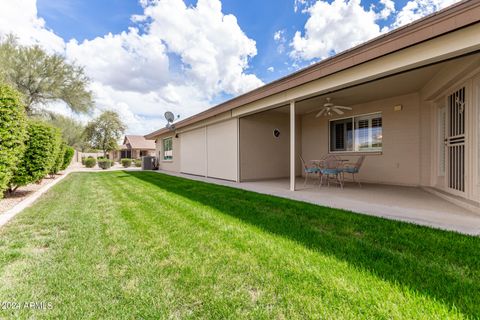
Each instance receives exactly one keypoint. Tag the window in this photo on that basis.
(357, 134)
(167, 149)
(126, 154)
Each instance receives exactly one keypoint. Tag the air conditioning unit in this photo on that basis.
(149, 163)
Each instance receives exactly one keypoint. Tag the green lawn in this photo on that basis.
(142, 245)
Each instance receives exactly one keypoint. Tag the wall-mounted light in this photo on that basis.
(398, 108)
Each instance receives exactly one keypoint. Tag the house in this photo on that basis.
(414, 95)
(134, 147)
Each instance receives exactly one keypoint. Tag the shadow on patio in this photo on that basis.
(410, 204)
(442, 265)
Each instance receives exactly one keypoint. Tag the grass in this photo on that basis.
(144, 245)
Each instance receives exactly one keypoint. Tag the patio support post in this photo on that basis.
(292, 146)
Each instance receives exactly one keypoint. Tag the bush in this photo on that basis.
(67, 157)
(57, 166)
(13, 133)
(126, 162)
(138, 163)
(105, 163)
(40, 154)
(90, 162)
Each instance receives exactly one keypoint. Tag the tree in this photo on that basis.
(103, 132)
(42, 147)
(43, 77)
(72, 130)
(13, 132)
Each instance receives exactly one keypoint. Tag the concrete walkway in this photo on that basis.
(407, 204)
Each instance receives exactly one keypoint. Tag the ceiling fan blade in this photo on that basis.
(343, 107)
(338, 111)
(320, 113)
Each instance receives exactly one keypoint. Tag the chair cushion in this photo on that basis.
(329, 171)
(350, 170)
(311, 170)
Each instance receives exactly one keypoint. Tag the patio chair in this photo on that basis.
(331, 167)
(308, 170)
(354, 168)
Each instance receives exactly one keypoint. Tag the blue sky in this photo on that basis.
(87, 19)
(145, 57)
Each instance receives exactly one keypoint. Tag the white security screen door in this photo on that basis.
(455, 141)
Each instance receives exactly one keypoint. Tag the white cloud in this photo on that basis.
(183, 59)
(125, 61)
(281, 40)
(271, 69)
(417, 9)
(211, 45)
(299, 5)
(21, 19)
(279, 35)
(388, 9)
(340, 25)
(334, 27)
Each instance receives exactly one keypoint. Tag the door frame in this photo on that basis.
(471, 81)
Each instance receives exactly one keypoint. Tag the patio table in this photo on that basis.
(317, 162)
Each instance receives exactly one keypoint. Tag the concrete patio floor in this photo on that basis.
(409, 204)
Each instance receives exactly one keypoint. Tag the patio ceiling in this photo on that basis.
(400, 84)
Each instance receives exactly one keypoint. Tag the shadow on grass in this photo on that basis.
(443, 265)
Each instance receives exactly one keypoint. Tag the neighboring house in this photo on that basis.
(134, 147)
(415, 99)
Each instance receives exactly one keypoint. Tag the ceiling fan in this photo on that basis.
(329, 106)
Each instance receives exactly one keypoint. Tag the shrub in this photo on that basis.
(13, 133)
(67, 157)
(138, 163)
(57, 166)
(90, 162)
(126, 162)
(104, 163)
(83, 160)
(40, 154)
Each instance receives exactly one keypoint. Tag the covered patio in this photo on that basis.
(402, 124)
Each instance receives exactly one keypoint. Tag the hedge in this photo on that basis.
(105, 163)
(40, 154)
(13, 132)
(90, 162)
(138, 163)
(57, 166)
(126, 162)
(67, 157)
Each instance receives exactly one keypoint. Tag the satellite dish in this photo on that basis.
(169, 116)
